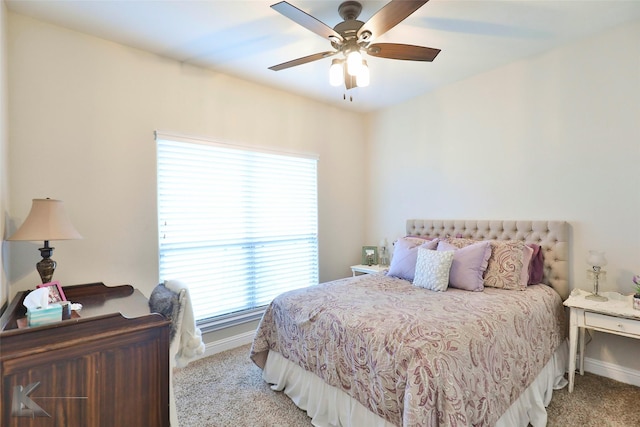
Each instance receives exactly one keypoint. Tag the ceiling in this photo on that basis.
(244, 38)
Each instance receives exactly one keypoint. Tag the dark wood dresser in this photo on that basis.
(107, 366)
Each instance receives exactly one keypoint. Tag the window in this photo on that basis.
(238, 225)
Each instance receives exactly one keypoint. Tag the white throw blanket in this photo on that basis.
(188, 335)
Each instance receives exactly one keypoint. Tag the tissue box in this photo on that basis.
(43, 316)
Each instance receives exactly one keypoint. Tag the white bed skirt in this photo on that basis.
(329, 407)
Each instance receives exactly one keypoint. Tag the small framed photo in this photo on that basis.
(369, 255)
(55, 292)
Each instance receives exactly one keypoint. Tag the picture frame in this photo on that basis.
(56, 294)
(369, 255)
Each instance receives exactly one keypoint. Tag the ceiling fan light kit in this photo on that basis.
(363, 78)
(335, 73)
(351, 38)
(354, 62)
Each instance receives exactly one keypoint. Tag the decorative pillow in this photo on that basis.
(460, 242)
(527, 254)
(469, 264)
(432, 269)
(505, 264)
(405, 254)
(536, 266)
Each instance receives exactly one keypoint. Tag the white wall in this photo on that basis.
(556, 136)
(83, 111)
(4, 120)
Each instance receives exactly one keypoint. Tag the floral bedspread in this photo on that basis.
(413, 356)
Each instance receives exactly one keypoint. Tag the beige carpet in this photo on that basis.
(227, 390)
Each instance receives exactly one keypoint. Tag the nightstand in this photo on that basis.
(615, 316)
(367, 269)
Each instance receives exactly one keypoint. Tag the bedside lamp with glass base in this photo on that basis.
(597, 261)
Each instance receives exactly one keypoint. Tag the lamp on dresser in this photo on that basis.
(46, 221)
(596, 260)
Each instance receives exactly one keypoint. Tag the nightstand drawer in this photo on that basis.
(618, 324)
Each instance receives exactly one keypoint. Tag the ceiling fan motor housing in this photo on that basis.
(348, 30)
(349, 10)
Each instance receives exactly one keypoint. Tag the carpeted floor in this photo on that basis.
(227, 390)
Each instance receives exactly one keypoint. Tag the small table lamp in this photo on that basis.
(46, 221)
(384, 253)
(597, 261)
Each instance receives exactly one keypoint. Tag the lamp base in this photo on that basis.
(46, 266)
(596, 297)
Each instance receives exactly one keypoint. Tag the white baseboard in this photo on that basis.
(613, 371)
(228, 343)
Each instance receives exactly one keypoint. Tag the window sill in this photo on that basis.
(234, 319)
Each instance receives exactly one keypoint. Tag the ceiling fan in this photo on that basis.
(352, 37)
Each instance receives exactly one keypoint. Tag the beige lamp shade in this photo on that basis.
(47, 220)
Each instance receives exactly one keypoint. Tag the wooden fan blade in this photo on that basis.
(403, 51)
(389, 16)
(303, 60)
(307, 21)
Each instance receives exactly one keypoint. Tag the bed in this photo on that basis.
(379, 350)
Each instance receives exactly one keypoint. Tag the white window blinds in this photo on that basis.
(239, 226)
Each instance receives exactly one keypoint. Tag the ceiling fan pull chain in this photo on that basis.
(344, 96)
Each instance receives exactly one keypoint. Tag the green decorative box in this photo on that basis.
(43, 316)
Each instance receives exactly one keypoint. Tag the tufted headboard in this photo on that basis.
(552, 236)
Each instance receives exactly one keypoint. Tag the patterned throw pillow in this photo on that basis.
(505, 263)
(432, 269)
(460, 242)
(527, 255)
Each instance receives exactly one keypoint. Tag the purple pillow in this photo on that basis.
(468, 266)
(536, 265)
(405, 255)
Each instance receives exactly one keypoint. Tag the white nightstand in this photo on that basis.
(367, 269)
(615, 316)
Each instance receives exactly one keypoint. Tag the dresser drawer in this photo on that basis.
(612, 323)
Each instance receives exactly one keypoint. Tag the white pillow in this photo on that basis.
(432, 269)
